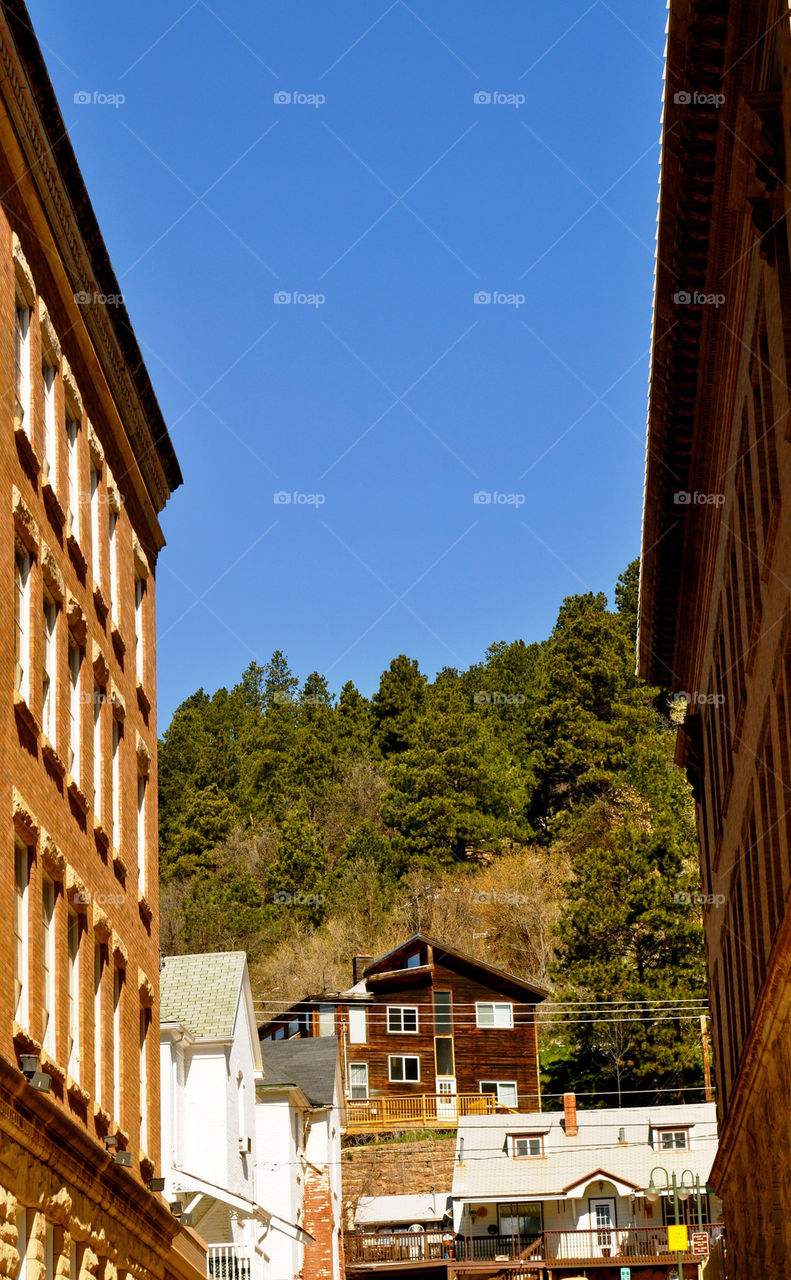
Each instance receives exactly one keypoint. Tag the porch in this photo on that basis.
(420, 1110)
(229, 1262)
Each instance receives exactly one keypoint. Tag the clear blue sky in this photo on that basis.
(397, 398)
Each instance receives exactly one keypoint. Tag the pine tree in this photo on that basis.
(397, 705)
(298, 875)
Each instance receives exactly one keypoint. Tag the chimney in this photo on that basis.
(359, 963)
(570, 1115)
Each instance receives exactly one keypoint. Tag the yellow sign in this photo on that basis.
(677, 1238)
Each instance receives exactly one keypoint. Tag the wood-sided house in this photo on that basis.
(427, 1033)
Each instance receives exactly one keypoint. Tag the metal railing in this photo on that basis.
(228, 1262)
(422, 1110)
(628, 1244)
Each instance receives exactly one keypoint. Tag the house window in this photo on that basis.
(73, 476)
(402, 1018)
(443, 1052)
(413, 961)
(443, 1014)
(404, 1067)
(142, 787)
(49, 672)
(96, 559)
(358, 1079)
(118, 986)
(526, 1145)
(48, 965)
(99, 955)
(494, 1014)
(503, 1090)
(140, 592)
(113, 544)
(115, 782)
(75, 710)
(522, 1221)
(294, 1028)
(326, 1019)
(73, 995)
(98, 702)
(358, 1031)
(49, 469)
(21, 876)
(671, 1139)
(22, 361)
(22, 620)
(145, 1020)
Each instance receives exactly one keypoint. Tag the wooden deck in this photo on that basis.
(416, 1111)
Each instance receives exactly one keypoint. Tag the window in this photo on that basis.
(357, 1026)
(358, 1079)
(294, 1028)
(21, 875)
(326, 1019)
(98, 1023)
(49, 469)
(73, 996)
(22, 361)
(525, 1145)
(98, 789)
(22, 620)
(521, 1220)
(672, 1139)
(443, 1015)
(49, 1252)
(145, 1020)
(402, 1018)
(48, 965)
(49, 672)
(75, 709)
(96, 559)
(404, 1067)
(21, 1242)
(413, 961)
(73, 476)
(118, 986)
(113, 544)
(142, 787)
(443, 1049)
(115, 782)
(503, 1090)
(494, 1014)
(140, 591)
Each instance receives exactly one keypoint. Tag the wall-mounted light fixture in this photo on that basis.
(28, 1065)
(156, 1184)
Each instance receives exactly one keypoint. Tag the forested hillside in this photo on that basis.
(526, 810)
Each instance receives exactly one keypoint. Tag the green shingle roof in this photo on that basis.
(202, 992)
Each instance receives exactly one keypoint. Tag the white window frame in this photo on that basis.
(73, 503)
(96, 558)
(358, 1024)
(118, 990)
(528, 1140)
(395, 1019)
(142, 805)
(48, 960)
(660, 1132)
(502, 1015)
(73, 994)
(358, 1066)
(21, 931)
(115, 781)
(99, 966)
(112, 543)
(49, 447)
(49, 671)
(22, 317)
(498, 1085)
(145, 1023)
(21, 1241)
(403, 1058)
(325, 1019)
(75, 657)
(22, 565)
(98, 753)
(140, 593)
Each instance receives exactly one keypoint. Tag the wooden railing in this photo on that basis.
(622, 1244)
(419, 1110)
(228, 1262)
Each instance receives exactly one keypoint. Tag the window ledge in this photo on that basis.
(100, 602)
(103, 1118)
(77, 794)
(52, 1067)
(23, 1040)
(145, 907)
(53, 504)
(75, 551)
(24, 713)
(119, 866)
(76, 1091)
(26, 448)
(147, 1166)
(118, 640)
(143, 699)
(100, 833)
(51, 756)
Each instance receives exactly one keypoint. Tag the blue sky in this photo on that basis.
(381, 197)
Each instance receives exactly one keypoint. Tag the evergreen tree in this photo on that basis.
(297, 877)
(397, 705)
(627, 591)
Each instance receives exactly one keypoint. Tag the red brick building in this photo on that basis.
(85, 466)
(427, 1033)
(715, 595)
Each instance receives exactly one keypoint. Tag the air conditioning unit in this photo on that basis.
(245, 1145)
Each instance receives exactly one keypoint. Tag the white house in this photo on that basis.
(571, 1184)
(234, 1144)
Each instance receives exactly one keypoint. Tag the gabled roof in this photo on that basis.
(443, 952)
(310, 1064)
(202, 992)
